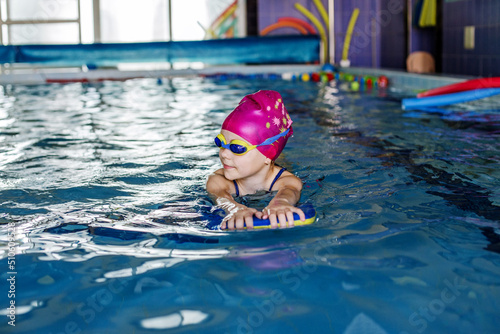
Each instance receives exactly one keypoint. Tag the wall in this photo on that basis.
(379, 34)
(393, 34)
(484, 60)
(271, 10)
(383, 36)
(364, 49)
(379, 37)
(425, 39)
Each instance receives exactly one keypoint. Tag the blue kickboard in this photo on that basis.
(307, 208)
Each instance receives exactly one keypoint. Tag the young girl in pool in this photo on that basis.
(252, 137)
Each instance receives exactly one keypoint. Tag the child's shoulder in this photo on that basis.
(288, 179)
(217, 181)
(219, 172)
(217, 176)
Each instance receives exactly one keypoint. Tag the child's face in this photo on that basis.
(240, 166)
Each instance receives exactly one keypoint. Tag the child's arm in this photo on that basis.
(238, 215)
(282, 206)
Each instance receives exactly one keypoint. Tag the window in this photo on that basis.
(191, 25)
(40, 21)
(118, 21)
(134, 21)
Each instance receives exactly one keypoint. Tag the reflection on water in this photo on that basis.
(106, 186)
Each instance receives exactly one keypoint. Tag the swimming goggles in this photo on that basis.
(240, 147)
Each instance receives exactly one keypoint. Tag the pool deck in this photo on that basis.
(39, 75)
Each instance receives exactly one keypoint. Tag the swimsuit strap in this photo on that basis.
(277, 177)
(237, 190)
(270, 188)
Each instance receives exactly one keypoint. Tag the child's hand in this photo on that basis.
(239, 218)
(279, 211)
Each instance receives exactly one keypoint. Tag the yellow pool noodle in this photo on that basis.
(350, 28)
(318, 26)
(322, 12)
(428, 14)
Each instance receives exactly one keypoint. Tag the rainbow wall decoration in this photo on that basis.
(303, 26)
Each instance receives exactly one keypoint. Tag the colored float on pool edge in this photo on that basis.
(355, 85)
(382, 81)
(355, 82)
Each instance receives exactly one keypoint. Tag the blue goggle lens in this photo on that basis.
(237, 149)
(217, 141)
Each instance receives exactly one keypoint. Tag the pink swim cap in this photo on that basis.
(260, 116)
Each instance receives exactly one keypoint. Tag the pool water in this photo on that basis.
(102, 189)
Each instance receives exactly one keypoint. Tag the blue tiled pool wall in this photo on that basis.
(386, 47)
(485, 58)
